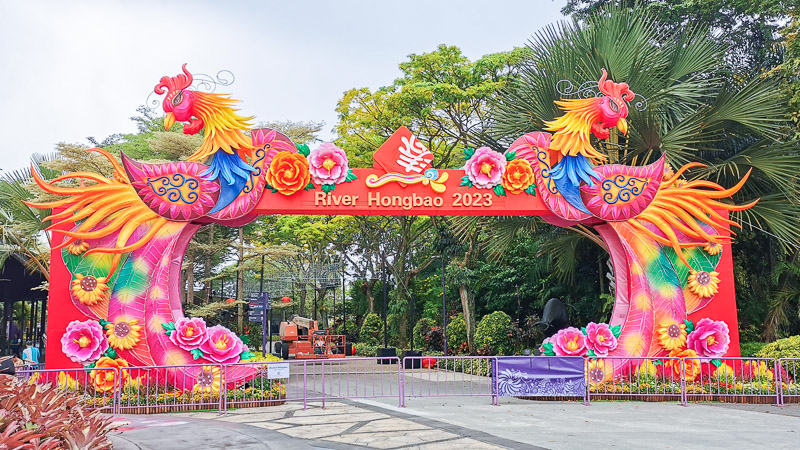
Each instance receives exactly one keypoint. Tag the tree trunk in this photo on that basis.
(190, 278)
(468, 306)
(240, 284)
(208, 262)
(367, 288)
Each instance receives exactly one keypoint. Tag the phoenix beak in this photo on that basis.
(169, 121)
(622, 126)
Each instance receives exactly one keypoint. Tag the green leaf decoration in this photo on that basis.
(247, 355)
(98, 265)
(698, 258)
(303, 149)
(274, 190)
(111, 353)
(531, 190)
(310, 186)
(351, 176)
(91, 366)
(168, 327)
(327, 188)
(70, 260)
(196, 353)
(548, 349)
(499, 190)
(616, 330)
(658, 362)
(689, 326)
(245, 339)
(103, 323)
(267, 186)
(583, 330)
(465, 181)
(468, 152)
(716, 362)
(511, 155)
(591, 353)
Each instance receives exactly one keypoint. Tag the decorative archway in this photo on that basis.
(115, 273)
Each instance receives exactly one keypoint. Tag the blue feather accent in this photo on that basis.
(231, 173)
(568, 174)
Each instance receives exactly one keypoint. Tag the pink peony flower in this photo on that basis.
(710, 338)
(222, 345)
(600, 339)
(84, 342)
(485, 168)
(189, 333)
(569, 342)
(328, 164)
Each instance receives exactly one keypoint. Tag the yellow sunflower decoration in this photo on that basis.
(123, 334)
(704, 284)
(208, 381)
(89, 290)
(713, 249)
(598, 372)
(66, 382)
(78, 247)
(672, 335)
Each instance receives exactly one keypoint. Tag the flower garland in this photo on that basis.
(502, 173)
(327, 166)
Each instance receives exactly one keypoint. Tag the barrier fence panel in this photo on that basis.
(789, 387)
(96, 386)
(541, 377)
(167, 388)
(610, 378)
(359, 378)
(448, 376)
(270, 383)
(732, 379)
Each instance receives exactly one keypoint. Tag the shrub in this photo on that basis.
(366, 349)
(371, 330)
(457, 335)
(434, 339)
(421, 330)
(43, 417)
(782, 348)
(494, 333)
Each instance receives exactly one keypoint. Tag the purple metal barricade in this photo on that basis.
(273, 383)
(646, 379)
(731, 379)
(168, 388)
(552, 377)
(448, 376)
(95, 386)
(788, 386)
(358, 378)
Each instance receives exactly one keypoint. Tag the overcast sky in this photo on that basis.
(72, 69)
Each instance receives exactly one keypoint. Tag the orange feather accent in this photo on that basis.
(682, 207)
(573, 129)
(223, 127)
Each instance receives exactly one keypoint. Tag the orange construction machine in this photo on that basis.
(301, 338)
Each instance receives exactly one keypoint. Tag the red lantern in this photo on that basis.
(230, 300)
(285, 300)
(428, 363)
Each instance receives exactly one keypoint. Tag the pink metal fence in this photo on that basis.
(96, 386)
(788, 387)
(449, 376)
(634, 377)
(220, 387)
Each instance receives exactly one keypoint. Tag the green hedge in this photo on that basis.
(782, 348)
(371, 330)
(457, 335)
(421, 329)
(493, 336)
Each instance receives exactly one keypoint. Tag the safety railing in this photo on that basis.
(788, 387)
(219, 387)
(731, 379)
(97, 386)
(448, 376)
(611, 378)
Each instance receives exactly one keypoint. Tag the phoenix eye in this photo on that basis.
(614, 106)
(178, 99)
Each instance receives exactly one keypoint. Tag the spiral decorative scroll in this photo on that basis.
(542, 156)
(261, 153)
(588, 89)
(626, 188)
(169, 186)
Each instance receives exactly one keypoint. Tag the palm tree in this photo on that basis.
(690, 105)
(21, 227)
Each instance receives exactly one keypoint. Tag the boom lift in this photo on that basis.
(301, 338)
